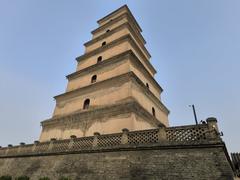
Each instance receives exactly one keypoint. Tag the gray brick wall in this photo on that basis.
(191, 163)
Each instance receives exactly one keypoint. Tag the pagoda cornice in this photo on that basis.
(116, 42)
(118, 10)
(120, 57)
(149, 93)
(93, 114)
(136, 36)
(109, 82)
(119, 18)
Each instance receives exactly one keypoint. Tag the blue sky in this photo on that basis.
(195, 47)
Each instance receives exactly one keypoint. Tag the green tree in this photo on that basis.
(22, 178)
(44, 178)
(6, 178)
(64, 178)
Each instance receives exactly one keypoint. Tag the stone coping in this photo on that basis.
(155, 146)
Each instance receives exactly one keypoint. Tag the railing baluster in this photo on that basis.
(95, 140)
(124, 138)
(162, 136)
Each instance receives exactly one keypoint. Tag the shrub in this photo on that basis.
(22, 178)
(6, 178)
(64, 178)
(44, 178)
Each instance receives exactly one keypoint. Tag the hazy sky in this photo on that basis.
(195, 47)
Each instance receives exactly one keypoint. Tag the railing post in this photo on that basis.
(213, 127)
(9, 146)
(1, 150)
(34, 145)
(212, 123)
(124, 138)
(95, 139)
(51, 143)
(162, 135)
(70, 145)
(19, 147)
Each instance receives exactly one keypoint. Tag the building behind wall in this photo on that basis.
(236, 163)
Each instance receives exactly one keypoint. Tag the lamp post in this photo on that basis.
(194, 113)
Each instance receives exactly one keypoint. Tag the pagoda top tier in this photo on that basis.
(120, 11)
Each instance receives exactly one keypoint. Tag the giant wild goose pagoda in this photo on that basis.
(111, 123)
(113, 87)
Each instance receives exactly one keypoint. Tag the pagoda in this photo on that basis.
(113, 87)
(111, 124)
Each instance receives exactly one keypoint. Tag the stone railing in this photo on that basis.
(202, 133)
(236, 163)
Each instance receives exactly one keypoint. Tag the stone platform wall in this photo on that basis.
(166, 163)
(186, 152)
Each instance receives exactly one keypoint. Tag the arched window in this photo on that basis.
(108, 30)
(94, 79)
(147, 85)
(86, 104)
(153, 112)
(104, 43)
(99, 59)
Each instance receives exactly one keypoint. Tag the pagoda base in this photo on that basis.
(104, 120)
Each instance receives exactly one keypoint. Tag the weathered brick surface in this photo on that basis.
(195, 163)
